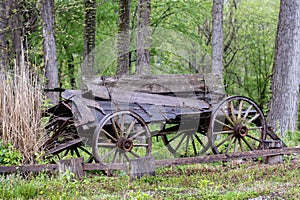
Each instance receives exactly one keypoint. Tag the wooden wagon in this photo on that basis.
(117, 119)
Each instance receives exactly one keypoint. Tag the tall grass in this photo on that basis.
(21, 99)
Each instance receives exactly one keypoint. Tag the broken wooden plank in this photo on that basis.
(63, 146)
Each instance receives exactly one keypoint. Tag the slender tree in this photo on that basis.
(89, 36)
(217, 37)
(3, 35)
(285, 80)
(49, 48)
(143, 37)
(123, 37)
(15, 27)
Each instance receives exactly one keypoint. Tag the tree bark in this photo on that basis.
(217, 37)
(285, 79)
(89, 37)
(49, 48)
(123, 37)
(3, 36)
(143, 37)
(15, 26)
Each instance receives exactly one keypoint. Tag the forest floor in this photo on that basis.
(230, 180)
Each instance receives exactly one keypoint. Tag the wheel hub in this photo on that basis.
(125, 144)
(240, 130)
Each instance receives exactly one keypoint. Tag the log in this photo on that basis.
(142, 166)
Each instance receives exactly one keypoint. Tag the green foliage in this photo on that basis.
(202, 181)
(9, 155)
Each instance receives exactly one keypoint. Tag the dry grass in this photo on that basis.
(20, 112)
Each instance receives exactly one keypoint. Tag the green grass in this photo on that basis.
(201, 181)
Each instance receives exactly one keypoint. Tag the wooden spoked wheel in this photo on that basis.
(186, 143)
(120, 137)
(237, 124)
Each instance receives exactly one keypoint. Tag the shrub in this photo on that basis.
(9, 155)
(21, 99)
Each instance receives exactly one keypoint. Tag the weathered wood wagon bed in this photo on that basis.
(118, 117)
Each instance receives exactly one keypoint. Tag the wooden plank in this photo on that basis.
(225, 157)
(28, 168)
(123, 96)
(170, 83)
(100, 166)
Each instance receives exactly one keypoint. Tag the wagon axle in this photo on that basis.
(125, 144)
(240, 130)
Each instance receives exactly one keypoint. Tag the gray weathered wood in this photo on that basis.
(73, 165)
(273, 144)
(225, 157)
(142, 166)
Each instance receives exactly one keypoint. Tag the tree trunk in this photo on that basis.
(15, 25)
(285, 80)
(143, 37)
(89, 37)
(123, 37)
(217, 37)
(3, 36)
(49, 48)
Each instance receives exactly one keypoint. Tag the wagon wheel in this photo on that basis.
(237, 124)
(187, 143)
(120, 137)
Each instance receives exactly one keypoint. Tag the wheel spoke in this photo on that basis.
(175, 137)
(230, 144)
(115, 156)
(253, 138)
(140, 145)
(255, 128)
(223, 141)
(232, 111)
(241, 145)
(194, 146)
(252, 119)
(130, 128)
(199, 140)
(108, 154)
(126, 157)
(219, 122)
(179, 144)
(122, 125)
(137, 134)
(109, 135)
(134, 154)
(240, 110)
(247, 112)
(235, 145)
(246, 142)
(107, 145)
(187, 144)
(227, 117)
(115, 127)
(222, 132)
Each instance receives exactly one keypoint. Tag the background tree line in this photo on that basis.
(56, 37)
